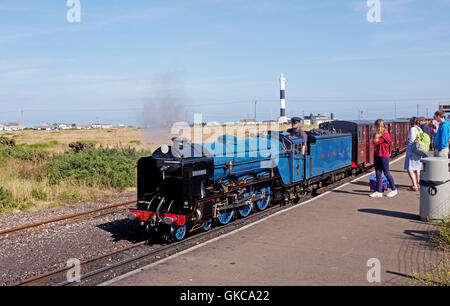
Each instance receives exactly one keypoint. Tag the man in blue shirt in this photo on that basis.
(442, 136)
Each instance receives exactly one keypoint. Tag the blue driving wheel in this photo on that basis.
(263, 203)
(207, 226)
(225, 216)
(178, 232)
(244, 211)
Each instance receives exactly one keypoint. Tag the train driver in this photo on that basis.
(298, 132)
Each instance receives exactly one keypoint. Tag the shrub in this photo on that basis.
(79, 146)
(23, 152)
(7, 141)
(6, 199)
(70, 195)
(39, 193)
(103, 167)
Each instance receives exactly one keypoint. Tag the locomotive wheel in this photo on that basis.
(263, 203)
(225, 216)
(245, 210)
(177, 232)
(207, 226)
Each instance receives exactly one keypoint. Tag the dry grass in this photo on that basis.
(57, 141)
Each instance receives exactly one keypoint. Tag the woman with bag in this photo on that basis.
(382, 145)
(412, 159)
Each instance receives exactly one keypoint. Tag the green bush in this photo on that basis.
(22, 152)
(6, 199)
(103, 167)
(7, 141)
(80, 146)
(70, 196)
(39, 194)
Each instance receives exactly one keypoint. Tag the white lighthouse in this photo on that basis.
(283, 118)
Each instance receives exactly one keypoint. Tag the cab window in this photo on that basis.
(287, 145)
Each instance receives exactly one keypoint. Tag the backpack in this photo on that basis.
(422, 144)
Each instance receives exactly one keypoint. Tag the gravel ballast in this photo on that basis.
(48, 248)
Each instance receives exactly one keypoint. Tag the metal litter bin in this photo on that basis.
(434, 189)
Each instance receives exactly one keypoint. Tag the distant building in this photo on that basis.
(446, 108)
(250, 121)
(316, 119)
(306, 121)
(83, 126)
(101, 126)
(44, 127)
(61, 126)
(13, 126)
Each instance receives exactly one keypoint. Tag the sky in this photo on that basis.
(125, 60)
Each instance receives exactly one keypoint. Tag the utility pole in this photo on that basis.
(255, 109)
(417, 110)
(395, 110)
(21, 115)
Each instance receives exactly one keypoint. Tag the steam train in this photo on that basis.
(187, 187)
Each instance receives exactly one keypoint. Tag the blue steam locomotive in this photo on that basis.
(187, 187)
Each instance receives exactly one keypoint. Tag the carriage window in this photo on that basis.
(359, 134)
(364, 134)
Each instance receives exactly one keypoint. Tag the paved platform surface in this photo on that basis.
(326, 241)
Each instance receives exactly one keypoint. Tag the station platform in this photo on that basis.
(325, 241)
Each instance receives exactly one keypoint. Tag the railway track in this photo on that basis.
(94, 213)
(100, 269)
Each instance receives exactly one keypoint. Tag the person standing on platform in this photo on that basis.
(382, 153)
(442, 136)
(424, 126)
(412, 160)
